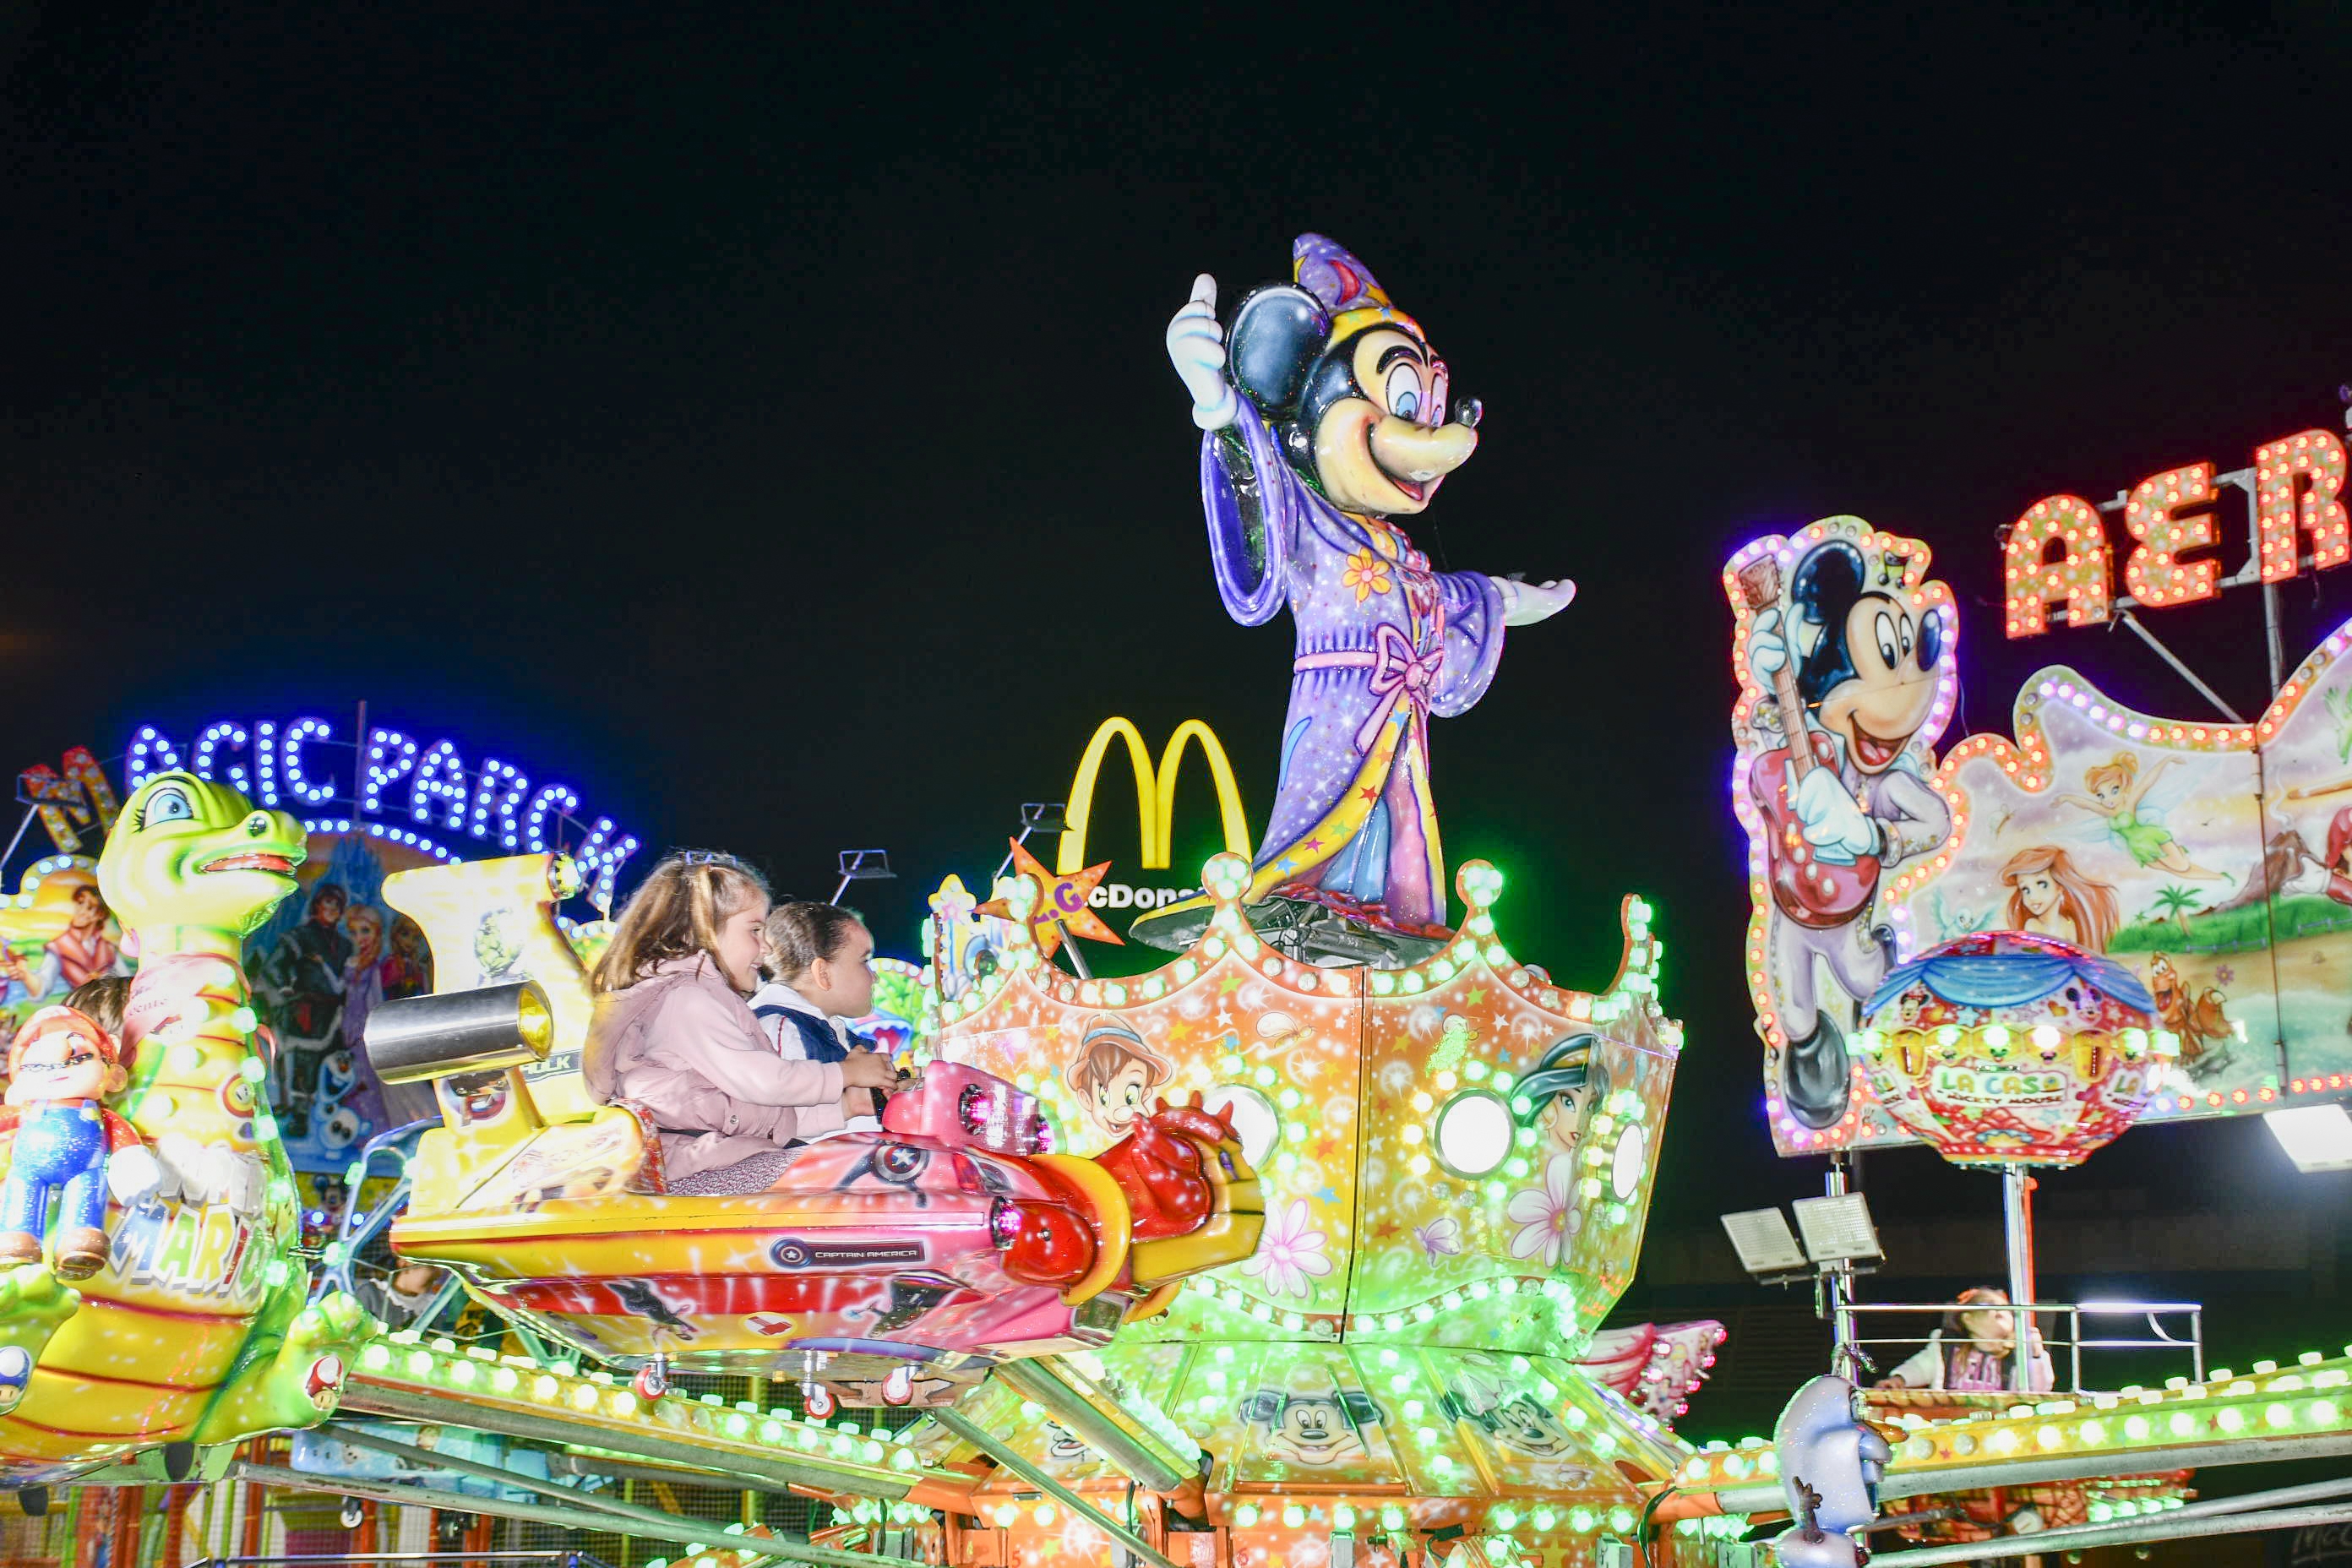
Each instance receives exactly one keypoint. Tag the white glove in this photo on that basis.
(1836, 824)
(1525, 603)
(1196, 347)
(181, 1159)
(132, 1173)
(240, 1181)
(1766, 651)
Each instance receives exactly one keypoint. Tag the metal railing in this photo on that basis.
(556, 1559)
(2190, 1315)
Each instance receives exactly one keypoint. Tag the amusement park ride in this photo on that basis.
(1295, 1249)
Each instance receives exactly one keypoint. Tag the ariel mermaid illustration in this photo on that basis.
(2117, 791)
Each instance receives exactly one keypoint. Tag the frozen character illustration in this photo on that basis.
(347, 1077)
(408, 969)
(81, 952)
(1561, 1091)
(1318, 1427)
(1325, 414)
(1842, 800)
(362, 971)
(1115, 1075)
(65, 1144)
(2049, 897)
(303, 982)
(2118, 792)
(1481, 1393)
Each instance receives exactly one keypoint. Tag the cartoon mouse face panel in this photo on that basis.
(1318, 1427)
(1351, 384)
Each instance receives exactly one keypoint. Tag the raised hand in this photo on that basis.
(1836, 824)
(1196, 347)
(1767, 651)
(1525, 603)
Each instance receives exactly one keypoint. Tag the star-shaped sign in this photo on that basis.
(1064, 906)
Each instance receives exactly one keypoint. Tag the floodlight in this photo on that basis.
(1764, 1242)
(862, 866)
(2316, 1137)
(1838, 1229)
(1038, 816)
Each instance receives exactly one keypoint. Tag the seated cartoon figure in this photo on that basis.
(63, 1139)
(1325, 416)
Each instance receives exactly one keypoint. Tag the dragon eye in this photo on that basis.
(167, 804)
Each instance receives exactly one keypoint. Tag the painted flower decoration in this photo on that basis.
(1290, 1250)
(1367, 575)
(1441, 1237)
(1547, 1216)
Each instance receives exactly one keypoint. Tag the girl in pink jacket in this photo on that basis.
(674, 1037)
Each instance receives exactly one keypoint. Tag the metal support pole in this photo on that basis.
(23, 823)
(1005, 1454)
(2016, 1223)
(629, 1475)
(1077, 959)
(427, 1460)
(2127, 618)
(1100, 1432)
(1837, 1289)
(362, 1398)
(1903, 1481)
(2168, 1526)
(676, 1531)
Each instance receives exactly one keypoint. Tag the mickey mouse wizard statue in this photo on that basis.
(1325, 414)
(60, 1066)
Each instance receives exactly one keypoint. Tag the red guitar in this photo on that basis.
(1811, 892)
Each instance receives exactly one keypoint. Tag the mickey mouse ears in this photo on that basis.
(1325, 268)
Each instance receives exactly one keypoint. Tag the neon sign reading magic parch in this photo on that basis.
(405, 792)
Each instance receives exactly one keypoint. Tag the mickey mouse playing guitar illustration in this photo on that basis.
(1849, 805)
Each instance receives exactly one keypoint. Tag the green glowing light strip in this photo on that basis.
(643, 1439)
(1003, 1454)
(676, 1531)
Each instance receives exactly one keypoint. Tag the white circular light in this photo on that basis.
(1633, 1159)
(1252, 1114)
(1472, 1135)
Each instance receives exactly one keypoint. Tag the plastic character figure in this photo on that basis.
(1831, 1465)
(1864, 673)
(1325, 414)
(60, 1067)
(2117, 791)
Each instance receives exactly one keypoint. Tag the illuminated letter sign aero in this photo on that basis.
(2057, 553)
(431, 788)
(1155, 791)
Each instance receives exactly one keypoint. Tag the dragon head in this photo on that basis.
(187, 852)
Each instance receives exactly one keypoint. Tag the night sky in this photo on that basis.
(763, 423)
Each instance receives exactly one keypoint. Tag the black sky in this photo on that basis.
(762, 418)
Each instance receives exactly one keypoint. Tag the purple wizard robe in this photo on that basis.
(1383, 642)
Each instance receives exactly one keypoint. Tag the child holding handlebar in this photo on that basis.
(674, 1036)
